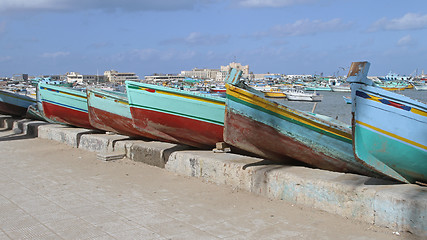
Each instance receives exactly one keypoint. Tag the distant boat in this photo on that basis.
(347, 99)
(274, 94)
(317, 87)
(345, 87)
(420, 87)
(389, 129)
(175, 115)
(109, 111)
(299, 95)
(15, 103)
(65, 105)
(274, 131)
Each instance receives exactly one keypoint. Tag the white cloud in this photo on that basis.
(406, 41)
(409, 21)
(132, 5)
(197, 38)
(55, 54)
(271, 3)
(163, 55)
(307, 27)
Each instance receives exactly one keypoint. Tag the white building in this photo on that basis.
(116, 77)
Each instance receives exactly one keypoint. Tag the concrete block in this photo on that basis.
(61, 133)
(154, 153)
(219, 168)
(31, 128)
(100, 142)
(125, 146)
(4, 120)
(18, 125)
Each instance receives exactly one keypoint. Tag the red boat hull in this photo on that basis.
(265, 141)
(7, 108)
(111, 122)
(67, 115)
(178, 129)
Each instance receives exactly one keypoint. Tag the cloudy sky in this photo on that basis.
(167, 36)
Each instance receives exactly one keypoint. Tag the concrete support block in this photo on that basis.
(6, 121)
(60, 133)
(154, 153)
(18, 125)
(31, 128)
(100, 142)
(125, 146)
(219, 168)
(379, 202)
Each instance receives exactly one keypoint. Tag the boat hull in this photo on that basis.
(110, 112)
(276, 132)
(177, 116)
(65, 105)
(14, 103)
(396, 147)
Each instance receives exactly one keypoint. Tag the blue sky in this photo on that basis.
(167, 36)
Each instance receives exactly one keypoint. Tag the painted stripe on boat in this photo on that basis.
(110, 97)
(58, 91)
(392, 135)
(364, 95)
(178, 114)
(195, 97)
(243, 97)
(64, 105)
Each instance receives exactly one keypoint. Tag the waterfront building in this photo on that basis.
(155, 78)
(117, 77)
(200, 73)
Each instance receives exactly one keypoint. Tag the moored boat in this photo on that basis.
(65, 105)
(274, 131)
(109, 111)
(15, 103)
(299, 95)
(175, 115)
(389, 129)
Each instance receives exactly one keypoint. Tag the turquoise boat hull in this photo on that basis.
(176, 115)
(65, 105)
(389, 131)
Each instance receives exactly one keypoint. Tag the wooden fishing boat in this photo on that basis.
(274, 131)
(109, 111)
(389, 129)
(65, 105)
(179, 116)
(15, 103)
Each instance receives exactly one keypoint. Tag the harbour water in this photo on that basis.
(333, 104)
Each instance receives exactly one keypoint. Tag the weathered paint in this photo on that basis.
(109, 111)
(14, 103)
(176, 115)
(389, 130)
(268, 129)
(65, 105)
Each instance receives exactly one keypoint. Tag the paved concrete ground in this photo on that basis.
(49, 190)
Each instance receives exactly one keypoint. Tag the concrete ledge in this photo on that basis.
(68, 135)
(402, 207)
(100, 142)
(154, 153)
